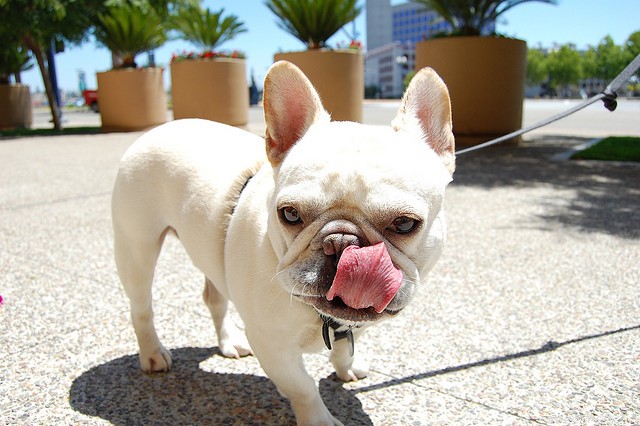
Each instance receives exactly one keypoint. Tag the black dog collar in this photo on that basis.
(338, 334)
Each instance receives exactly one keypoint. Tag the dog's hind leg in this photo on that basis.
(231, 340)
(136, 260)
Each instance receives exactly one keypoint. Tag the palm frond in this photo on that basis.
(471, 17)
(313, 22)
(206, 29)
(128, 30)
(13, 59)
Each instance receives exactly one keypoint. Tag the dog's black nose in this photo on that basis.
(334, 244)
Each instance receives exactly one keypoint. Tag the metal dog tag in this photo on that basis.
(351, 342)
(337, 335)
(325, 334)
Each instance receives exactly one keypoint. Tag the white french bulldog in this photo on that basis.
(331, 230)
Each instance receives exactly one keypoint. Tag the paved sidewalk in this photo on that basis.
(531, 316)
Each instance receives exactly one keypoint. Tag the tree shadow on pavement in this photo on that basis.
(606, 194)
(120, 393)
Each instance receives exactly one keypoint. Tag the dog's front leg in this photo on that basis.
(348, 368)
(287, 371)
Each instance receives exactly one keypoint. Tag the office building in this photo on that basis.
(392, 33)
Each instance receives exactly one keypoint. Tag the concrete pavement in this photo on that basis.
(531, 316)
(595, 120)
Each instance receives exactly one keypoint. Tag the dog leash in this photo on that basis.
(608, 96)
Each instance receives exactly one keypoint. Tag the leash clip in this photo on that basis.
(609, 100)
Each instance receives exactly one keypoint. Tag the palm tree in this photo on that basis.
(204, 28)
(128, 30)
(470, 17)
(313, 22)
(13, 60)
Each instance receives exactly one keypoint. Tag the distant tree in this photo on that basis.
(564, 64)
(589, 63)
(37, 24)
(631, 50)
(610, 59)
(536, 66)
(407, 79)
(632, 45)
(372, 92)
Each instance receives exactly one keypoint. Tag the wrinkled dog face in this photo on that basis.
(356, 217)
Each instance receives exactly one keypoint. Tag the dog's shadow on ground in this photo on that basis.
(120, 393)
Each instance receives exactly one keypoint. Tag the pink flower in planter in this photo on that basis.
(355, 44)
(209, 54)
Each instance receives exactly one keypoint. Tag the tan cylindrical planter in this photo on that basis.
(131, 99)
(338, 76)
(213, 89)
(486, 81)
(15, 106)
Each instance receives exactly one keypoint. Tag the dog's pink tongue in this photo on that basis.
(366, 277)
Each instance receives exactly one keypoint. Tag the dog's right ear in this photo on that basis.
(426, 107)
(291, 106)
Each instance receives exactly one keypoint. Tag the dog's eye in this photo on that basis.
(290, 215)
(403, 225)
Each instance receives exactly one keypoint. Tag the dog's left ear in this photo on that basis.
(426, 107)
(291, 106)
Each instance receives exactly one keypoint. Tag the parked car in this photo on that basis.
(91, 99)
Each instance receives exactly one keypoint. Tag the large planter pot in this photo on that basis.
(131, 99)
(212, 89)
(338, 76)
(486, 81)
(15, 106)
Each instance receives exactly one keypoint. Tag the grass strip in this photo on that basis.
(613, 148)
(21, 133)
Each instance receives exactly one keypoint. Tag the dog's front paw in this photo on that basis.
(325, 421)
(349, 369)
(353, 374)
(155, 361)
(235, 345)
(315, 414)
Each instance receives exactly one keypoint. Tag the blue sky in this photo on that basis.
(582, 22)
